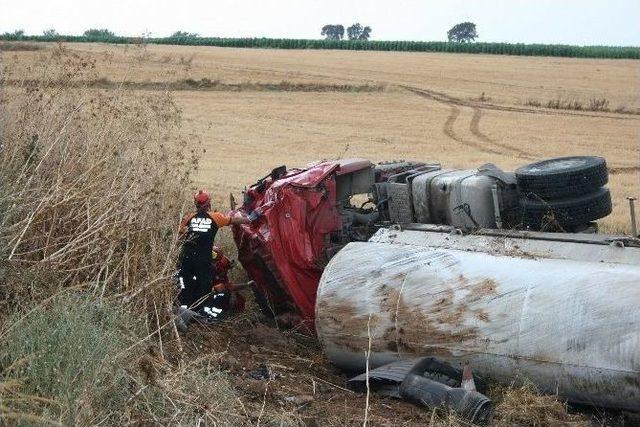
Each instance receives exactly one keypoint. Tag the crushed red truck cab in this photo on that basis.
(285, 249)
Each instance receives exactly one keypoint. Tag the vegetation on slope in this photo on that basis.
(90, 189)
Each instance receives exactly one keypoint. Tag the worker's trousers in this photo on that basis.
(196, 278)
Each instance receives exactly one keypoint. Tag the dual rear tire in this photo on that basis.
(563, 193)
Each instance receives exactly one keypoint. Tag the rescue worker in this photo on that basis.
(196, 273)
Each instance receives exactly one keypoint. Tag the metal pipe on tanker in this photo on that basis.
(569, 326)
(496, 206)
(632, 214)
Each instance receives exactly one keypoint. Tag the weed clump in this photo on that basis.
(63, 357)
(593, 104)
(523, 406)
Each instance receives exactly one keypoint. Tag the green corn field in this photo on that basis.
(615, 52)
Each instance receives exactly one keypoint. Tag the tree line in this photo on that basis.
(461, 33)
(458, 44)
(354, 32)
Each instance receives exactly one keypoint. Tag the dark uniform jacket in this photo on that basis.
(196, 270)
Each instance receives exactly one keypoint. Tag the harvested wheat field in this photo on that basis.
(254, 109)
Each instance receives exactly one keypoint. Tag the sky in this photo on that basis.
(580, 22)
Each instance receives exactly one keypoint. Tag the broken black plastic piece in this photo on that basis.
(470, 405)
(406, 379)
(278, 172)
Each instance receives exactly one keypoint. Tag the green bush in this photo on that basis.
(101, 33)
(67, 354)
(72, 361)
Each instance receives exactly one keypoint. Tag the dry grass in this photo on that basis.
(593, 104)
(91, 181)
(524, 406)
(91, 185)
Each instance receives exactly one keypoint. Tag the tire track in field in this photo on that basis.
(448, 130)
(486, 144)
(448, 127)
(474, 127)
(443, 97)
(615, 170)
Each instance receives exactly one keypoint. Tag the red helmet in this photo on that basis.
(202, 199)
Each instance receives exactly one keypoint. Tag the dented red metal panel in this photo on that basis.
(353, 165)
(297, 212)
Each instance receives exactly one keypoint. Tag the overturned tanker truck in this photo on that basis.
(501, 271)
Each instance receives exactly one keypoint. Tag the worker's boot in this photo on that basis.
(210, 315)
(184, 316)
(214, 308)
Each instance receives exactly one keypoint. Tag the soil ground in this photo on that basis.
(282, 376)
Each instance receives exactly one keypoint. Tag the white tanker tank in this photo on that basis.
(562, 311)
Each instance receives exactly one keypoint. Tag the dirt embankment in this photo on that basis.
(282, 378)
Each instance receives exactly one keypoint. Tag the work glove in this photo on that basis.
(254, 215)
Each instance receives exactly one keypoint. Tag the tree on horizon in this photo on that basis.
(102, 33)
(51, 32)
(463, 32)
(333, 32)
(184, 34)
(358, 32)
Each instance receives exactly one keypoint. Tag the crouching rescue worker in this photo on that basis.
(196, 269)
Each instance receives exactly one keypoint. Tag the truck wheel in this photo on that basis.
(562, 177)
(567, 213)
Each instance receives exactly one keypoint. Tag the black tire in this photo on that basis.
(566, 213)
(562, 177)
